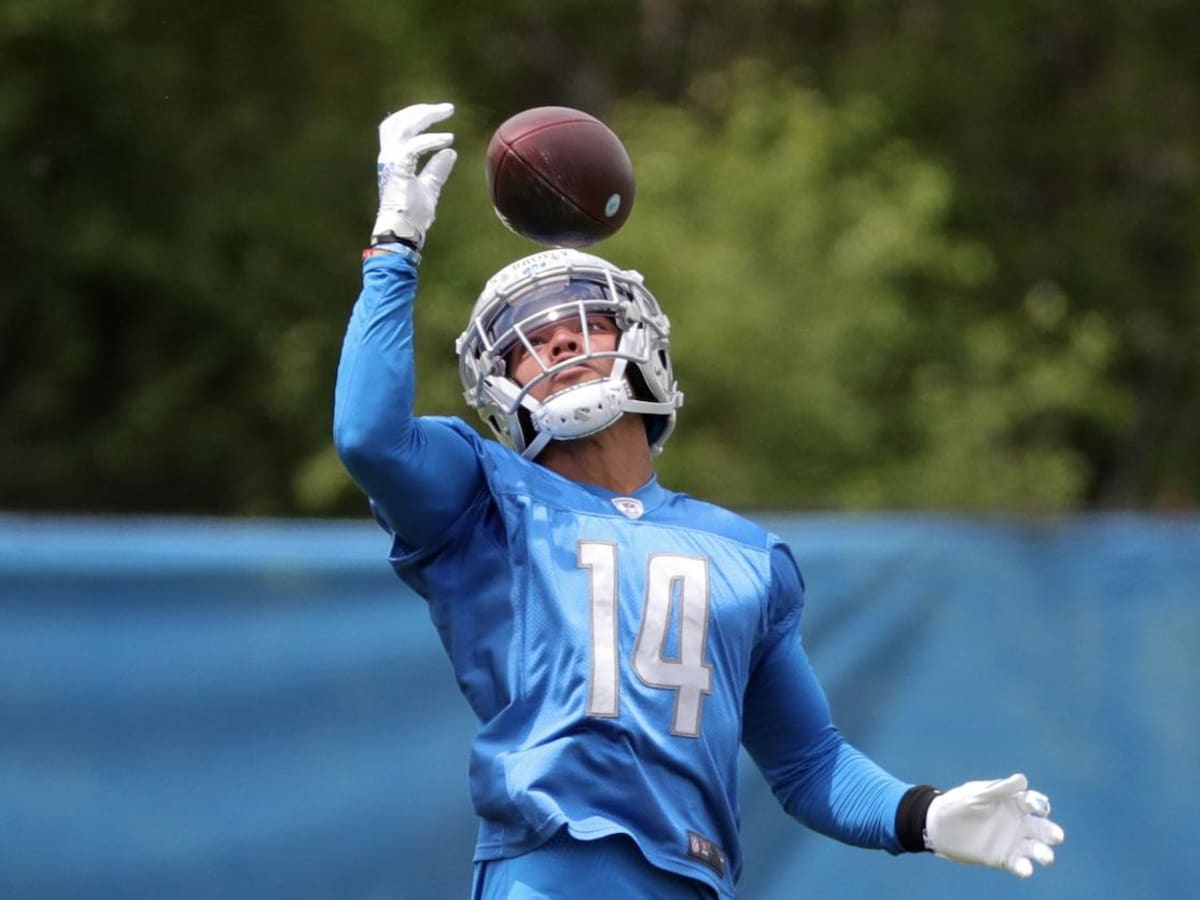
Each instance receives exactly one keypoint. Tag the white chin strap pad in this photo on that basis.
(580, 410)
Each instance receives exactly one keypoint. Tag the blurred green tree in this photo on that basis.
(917, 254)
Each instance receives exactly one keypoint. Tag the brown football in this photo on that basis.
(559, 176)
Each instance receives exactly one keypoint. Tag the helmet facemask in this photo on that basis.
(554, 287)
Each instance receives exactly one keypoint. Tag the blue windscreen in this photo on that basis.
(203, 708)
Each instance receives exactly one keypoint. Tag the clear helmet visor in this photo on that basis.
(544, 306)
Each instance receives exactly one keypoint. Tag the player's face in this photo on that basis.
(558, 342)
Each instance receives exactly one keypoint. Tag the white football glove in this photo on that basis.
(1001, 824)
(407, 201)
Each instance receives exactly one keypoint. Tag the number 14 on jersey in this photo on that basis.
(672, 580)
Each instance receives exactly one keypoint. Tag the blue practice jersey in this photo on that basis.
(617, 651)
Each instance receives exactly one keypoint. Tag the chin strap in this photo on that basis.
(576, 412)
(537, 445)
(583, 410)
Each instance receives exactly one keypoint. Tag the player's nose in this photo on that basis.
(564, 342)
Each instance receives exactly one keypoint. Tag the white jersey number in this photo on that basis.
(672, 582)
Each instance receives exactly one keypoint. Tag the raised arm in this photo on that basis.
(419, 473)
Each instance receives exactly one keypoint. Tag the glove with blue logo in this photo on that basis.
(408, 199)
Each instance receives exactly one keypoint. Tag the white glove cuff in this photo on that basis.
(392, 228)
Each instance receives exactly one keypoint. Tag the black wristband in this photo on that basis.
(389, 237)
(910, 817)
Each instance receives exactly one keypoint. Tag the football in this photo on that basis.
(559, 176)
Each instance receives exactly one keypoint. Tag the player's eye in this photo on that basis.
(600, 325)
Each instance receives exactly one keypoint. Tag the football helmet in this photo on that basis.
(540, 290)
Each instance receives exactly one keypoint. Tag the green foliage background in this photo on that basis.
(917, 254)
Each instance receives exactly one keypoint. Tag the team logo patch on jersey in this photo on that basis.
(630, 507)
(707, 852)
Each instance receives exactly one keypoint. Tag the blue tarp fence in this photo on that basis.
(232, 709)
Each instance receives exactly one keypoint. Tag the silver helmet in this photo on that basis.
(545, 288)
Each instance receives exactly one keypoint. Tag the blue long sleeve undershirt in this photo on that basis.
(816, 775)
(419, 473)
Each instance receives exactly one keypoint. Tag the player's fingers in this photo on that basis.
(1000, 789)
(437, 170)
(412, 120)
(1019, 866)
(426, 143)
(433, 112)
(416, 118)
(1040, 853)
(1044, 830)
(1035, 803)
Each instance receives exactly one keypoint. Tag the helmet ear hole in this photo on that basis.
(637, 383)
(528, 432)
(641, 391)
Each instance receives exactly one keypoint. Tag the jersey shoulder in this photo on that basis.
(496, 458)
(686, 511)
(506, 471)
(787, 586)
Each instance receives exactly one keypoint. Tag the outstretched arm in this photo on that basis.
(832, 787)
(817, 776)
(420, 474)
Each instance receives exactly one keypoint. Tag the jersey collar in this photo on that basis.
(637, 505)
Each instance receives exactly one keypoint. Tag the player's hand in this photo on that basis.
(1001, 824)
(407, 200)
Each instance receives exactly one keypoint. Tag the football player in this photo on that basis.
(617, 641)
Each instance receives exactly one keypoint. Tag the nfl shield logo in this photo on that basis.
(630, 507)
